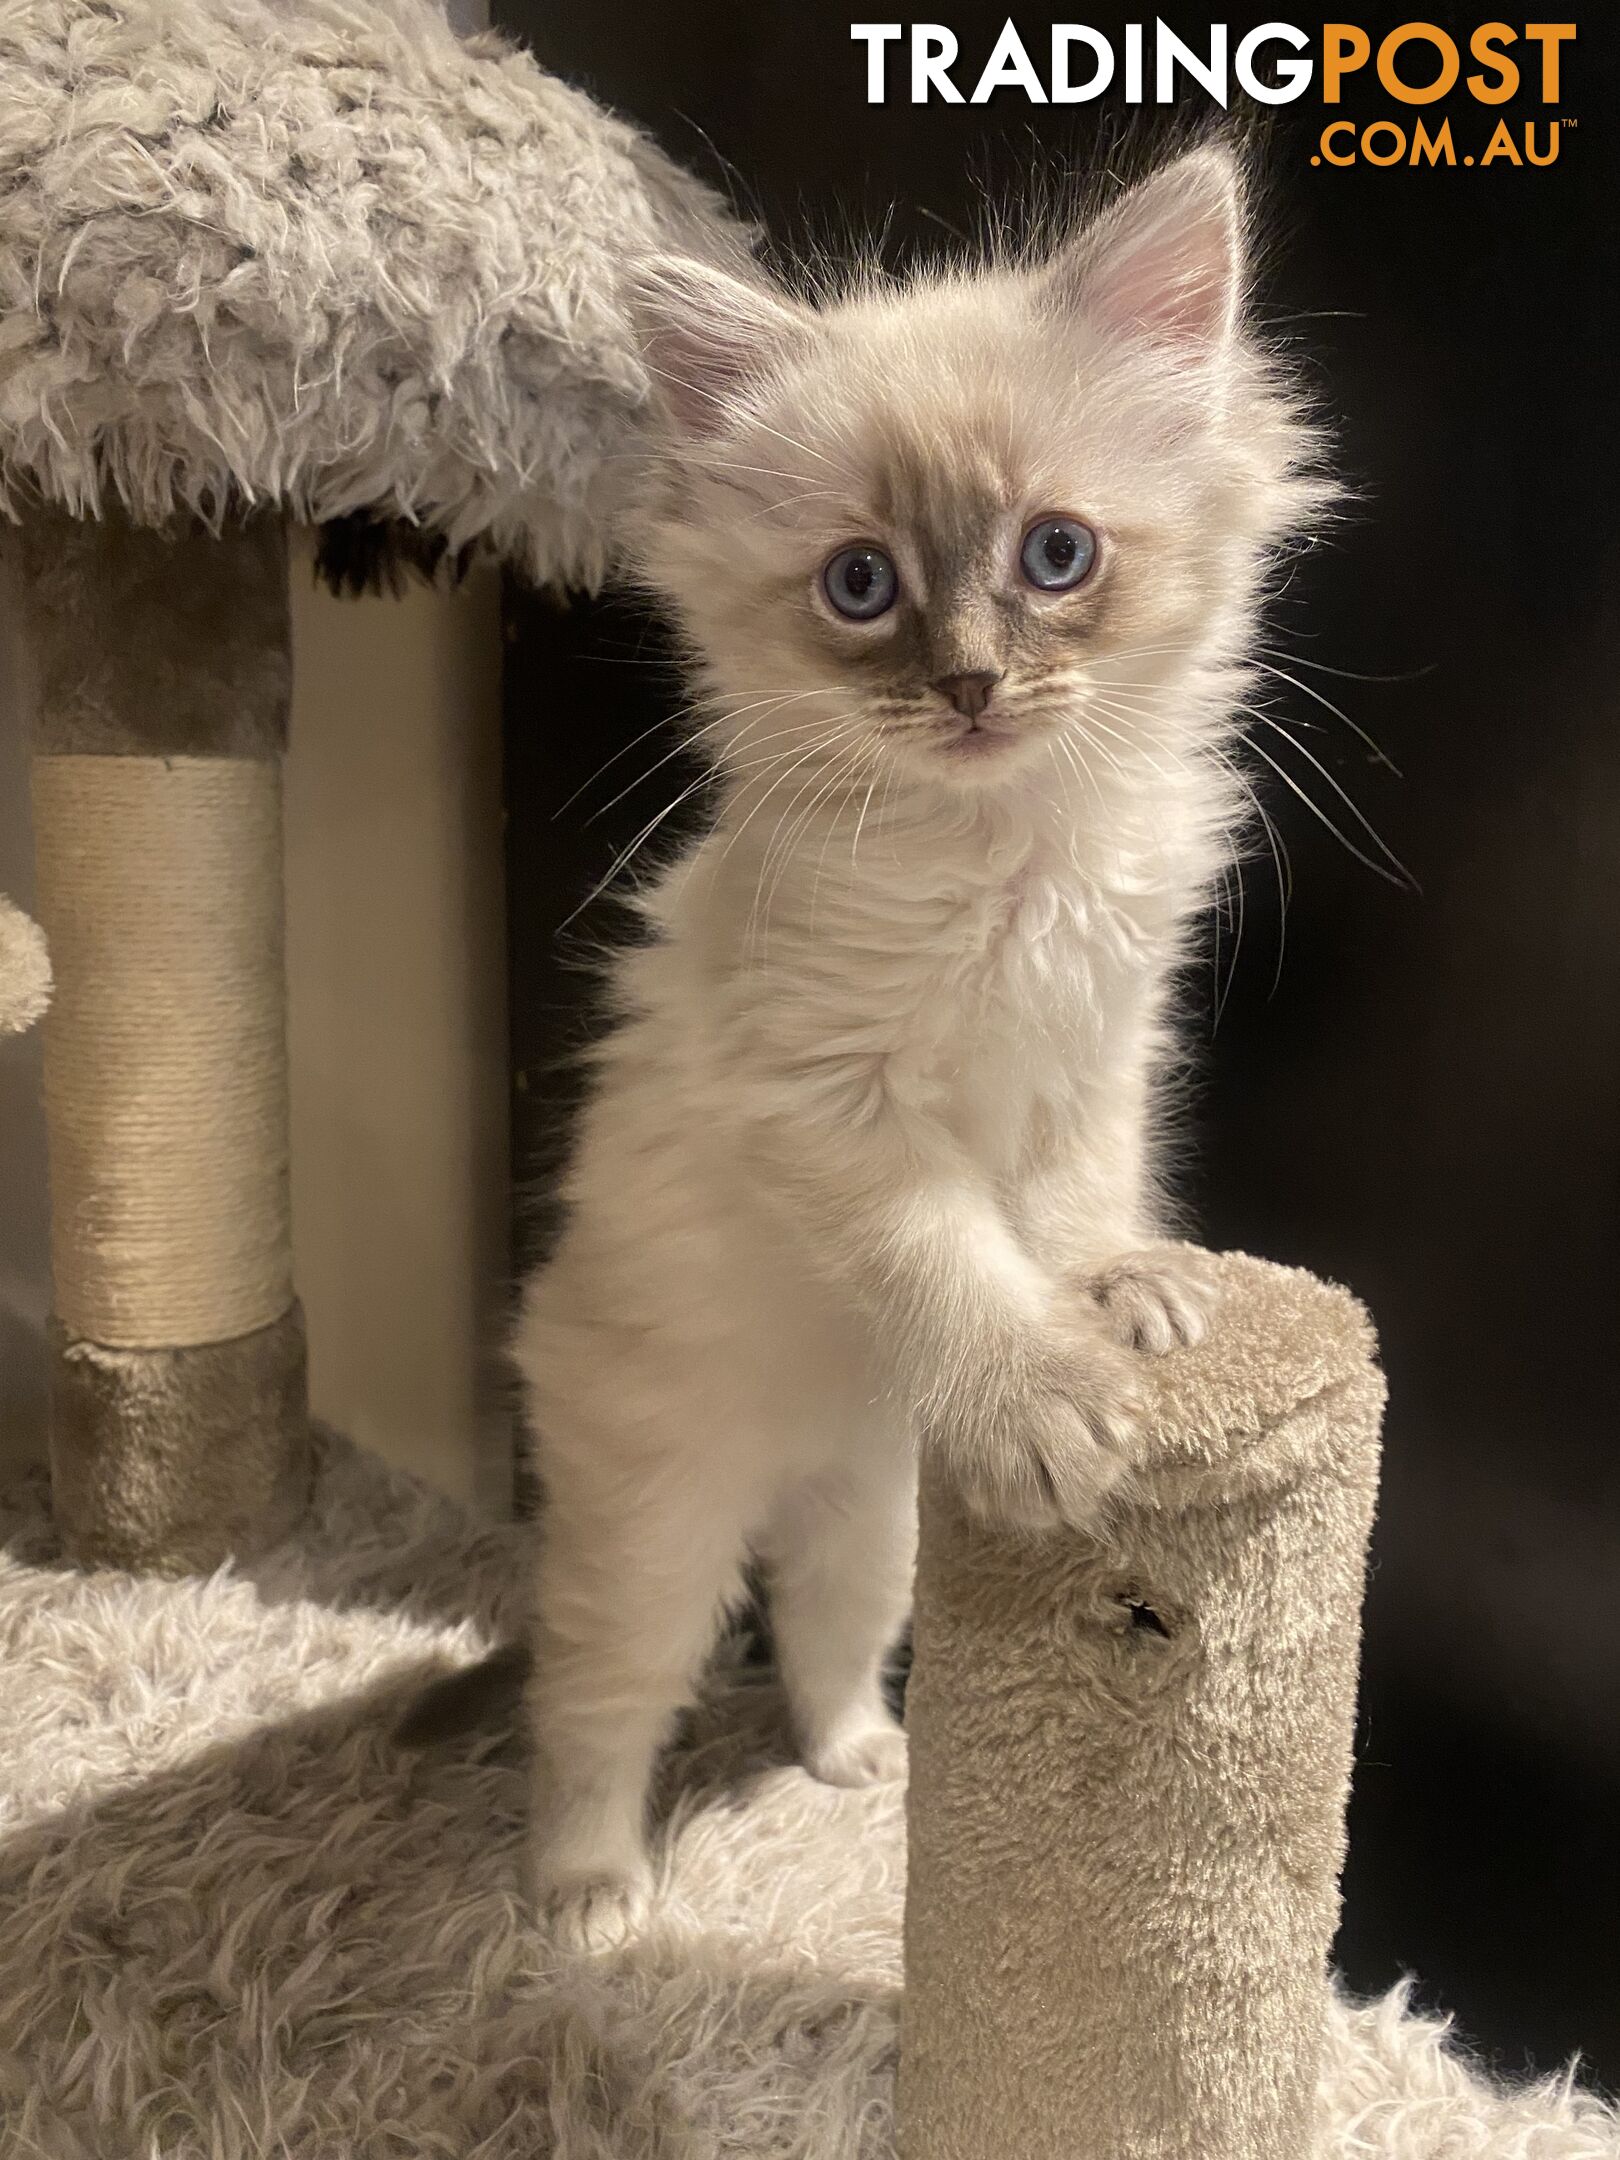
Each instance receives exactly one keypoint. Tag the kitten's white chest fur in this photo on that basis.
(997, 1047)
(1016, 1002)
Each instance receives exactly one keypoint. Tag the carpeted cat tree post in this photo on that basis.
(261, 260)
(1129, 1766)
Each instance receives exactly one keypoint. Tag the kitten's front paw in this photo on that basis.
(592, 1914)
(867, 1755)
(1051, 1452)
(1159, 1300)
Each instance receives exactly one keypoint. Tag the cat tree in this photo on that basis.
(261, 263)
(301, 260)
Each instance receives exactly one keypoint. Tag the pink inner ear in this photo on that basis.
(1179, 286)
(705, 337)
(1167, 263)
(698, 376)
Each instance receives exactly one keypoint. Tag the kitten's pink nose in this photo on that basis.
(970, 694)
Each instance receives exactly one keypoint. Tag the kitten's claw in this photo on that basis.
(1054, 1455)
(1157, 1301)
(594, 1914)
(869, 1755)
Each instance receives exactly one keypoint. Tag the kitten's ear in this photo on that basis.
(706, 335)
(1167, 262)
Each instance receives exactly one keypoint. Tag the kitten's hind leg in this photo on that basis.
(840, 1555)
(637, 1566)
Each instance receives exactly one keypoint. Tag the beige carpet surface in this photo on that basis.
(237, 1921)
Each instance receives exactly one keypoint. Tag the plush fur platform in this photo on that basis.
(321, 253)
(237, 1920)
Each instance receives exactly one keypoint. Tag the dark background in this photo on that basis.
(1423, 1100)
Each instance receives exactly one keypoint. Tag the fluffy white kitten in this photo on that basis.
(965, 568)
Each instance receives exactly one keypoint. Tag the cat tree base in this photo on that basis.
(168, 1460)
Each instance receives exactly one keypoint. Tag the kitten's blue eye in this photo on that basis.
(861, 582)
(1058, 553)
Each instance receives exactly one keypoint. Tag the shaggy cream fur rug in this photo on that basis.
(237, 1920)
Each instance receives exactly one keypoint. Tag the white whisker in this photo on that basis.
(1224, 990)
(844, 763)
(627, 854)
(747, 739)
(1383, 757)
(1279, 856)
(1404, 881)
(1366, 824)
(668, 719)
(860, 823)
(751, 814)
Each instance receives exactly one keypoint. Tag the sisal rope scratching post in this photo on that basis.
(179, 1431)
(1129, 1766)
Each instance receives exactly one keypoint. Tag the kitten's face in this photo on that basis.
(910, 545)
(960, 532)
